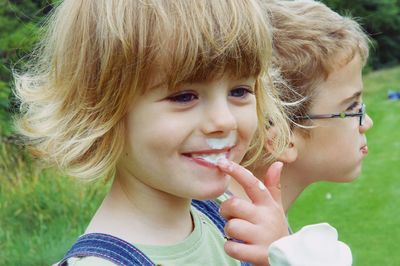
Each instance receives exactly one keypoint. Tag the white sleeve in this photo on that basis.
(89, 261)
(313, 245)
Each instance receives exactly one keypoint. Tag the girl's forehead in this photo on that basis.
(187, 43)
(162, 77)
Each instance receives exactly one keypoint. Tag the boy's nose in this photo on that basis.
(219, 119)
(367, 124)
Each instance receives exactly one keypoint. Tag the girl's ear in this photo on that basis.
(289, 154)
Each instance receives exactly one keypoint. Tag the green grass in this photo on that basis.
(42, 212)
(366, 211)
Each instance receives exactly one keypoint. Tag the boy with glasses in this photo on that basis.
(319, 56)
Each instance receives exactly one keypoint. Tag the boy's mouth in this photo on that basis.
(364, 149)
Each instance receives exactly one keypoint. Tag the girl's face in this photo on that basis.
(174, 138)
(335, 149)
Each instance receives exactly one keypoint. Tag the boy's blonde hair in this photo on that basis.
(310, 41)
(98, 55)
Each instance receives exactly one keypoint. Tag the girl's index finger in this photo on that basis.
(254, 188)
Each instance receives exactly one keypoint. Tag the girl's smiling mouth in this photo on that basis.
(208, 158)
(218, 148)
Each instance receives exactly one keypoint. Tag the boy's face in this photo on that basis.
(174, 138)
(334, 150)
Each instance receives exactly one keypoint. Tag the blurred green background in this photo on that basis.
(42, 212)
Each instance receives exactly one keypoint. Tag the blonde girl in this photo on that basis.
(153, 94)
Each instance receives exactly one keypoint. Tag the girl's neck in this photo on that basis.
(140, 214)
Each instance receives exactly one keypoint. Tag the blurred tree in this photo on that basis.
(381, 19)
(18, 30)
(18, 33)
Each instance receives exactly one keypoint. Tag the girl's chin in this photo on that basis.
(210, 194)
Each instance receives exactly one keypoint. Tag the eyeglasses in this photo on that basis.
(360, 114)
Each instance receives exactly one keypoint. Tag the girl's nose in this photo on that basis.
(367, 124)
(219, 119)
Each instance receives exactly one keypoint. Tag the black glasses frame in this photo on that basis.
(361, 114)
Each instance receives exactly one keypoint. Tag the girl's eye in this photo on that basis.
(240, 92)
(183, 97)
(352, 106)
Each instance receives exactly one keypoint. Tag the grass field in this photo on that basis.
(42, 212)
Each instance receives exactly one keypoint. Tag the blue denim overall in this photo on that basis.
(123, 253)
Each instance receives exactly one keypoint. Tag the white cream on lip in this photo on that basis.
(220, 143)
(217, 143)
(211, 158)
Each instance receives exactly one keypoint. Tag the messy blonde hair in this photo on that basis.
(310, 41)
(98, 55)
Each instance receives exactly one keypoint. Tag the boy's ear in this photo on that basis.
(289, 154)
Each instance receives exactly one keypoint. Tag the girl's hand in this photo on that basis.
(255, 223)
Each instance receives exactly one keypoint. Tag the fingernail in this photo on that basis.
(225, 164)
(261, 185)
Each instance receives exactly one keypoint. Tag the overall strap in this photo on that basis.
(123, 253)
(211, 209)
(107, 247)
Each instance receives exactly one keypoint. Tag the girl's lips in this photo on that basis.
(203, 159)
(203, 162)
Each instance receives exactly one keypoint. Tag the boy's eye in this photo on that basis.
(353, 106)
(240, 92)
(183, 97)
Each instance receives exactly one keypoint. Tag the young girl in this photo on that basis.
(152, 93)
(320, 56)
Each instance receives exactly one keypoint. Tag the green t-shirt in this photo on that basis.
(204, 246)
(223, 197)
